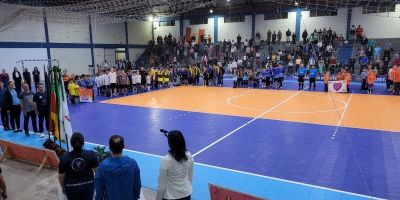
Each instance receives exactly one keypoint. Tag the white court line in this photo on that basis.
(257, 175)
(247, 123)
(217, 102)
(229, 101)
(342, 116)
(210, 105)
(253, 174)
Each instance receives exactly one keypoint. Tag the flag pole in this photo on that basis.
(46, 81)
(61, 81)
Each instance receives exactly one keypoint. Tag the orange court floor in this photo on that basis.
(375, 112)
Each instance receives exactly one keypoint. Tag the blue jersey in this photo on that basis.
(302, 71)
(313, 73)
(282, 71)
(364, 75)
(269, 72)
(264, 73)
(277, 72)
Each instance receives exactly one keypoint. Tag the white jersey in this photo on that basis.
(148, 79)
(106, 79)
(113, 77)
(136, 78)
(98, 80)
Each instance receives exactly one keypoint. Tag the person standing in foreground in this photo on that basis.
(118, 177)
(76, 170)
(113, 82)
(327, 78)
(12, 105)
(301, 72)
(42, 107)
(313, 76)
(176, 170)
(3, 109)
(371, 78)
(27, 108)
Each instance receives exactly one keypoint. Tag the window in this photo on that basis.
(322, 13)
(199, 21)
(278, 15)
(379, 9)
(232, 19)
(167, 23)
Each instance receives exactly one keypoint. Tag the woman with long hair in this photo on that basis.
(176, 170)
(17, 80)
(36, 77)
(76, 170)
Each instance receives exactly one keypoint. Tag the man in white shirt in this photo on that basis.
(136, 81)
(113, 81)
(105, 80)
(99, 83)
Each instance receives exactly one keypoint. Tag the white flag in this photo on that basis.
(65, 119)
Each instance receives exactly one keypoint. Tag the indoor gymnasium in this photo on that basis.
(199, 100)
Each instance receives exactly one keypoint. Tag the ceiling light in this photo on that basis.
(211, 11)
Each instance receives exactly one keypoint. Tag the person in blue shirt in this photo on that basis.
(13, 106)
(118, 177)
(281, 75)
(263, 76)
(301, 72)
(245, 81)
(364, 87)
(276, 75)
(313, 75)
(268, 74)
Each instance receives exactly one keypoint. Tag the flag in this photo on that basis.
(54, 128)
(60, 120)
(66, 127)
(48, 94)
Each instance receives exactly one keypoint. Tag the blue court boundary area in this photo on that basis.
(257, 185)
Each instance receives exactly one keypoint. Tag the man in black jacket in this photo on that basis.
(12, 105)
(27, 77)
(4, 114)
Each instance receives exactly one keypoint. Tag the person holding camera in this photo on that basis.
(176, 170)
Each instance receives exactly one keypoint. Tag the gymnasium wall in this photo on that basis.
(382, 25)
(262, 26)
(75, 60)
(139, 32)
(209, 28)
(165, 30)
(338, 23)
(230, 31)
(108, 33)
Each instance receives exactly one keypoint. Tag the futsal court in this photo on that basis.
(296, 144)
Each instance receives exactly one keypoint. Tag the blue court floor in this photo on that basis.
(267, 158)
